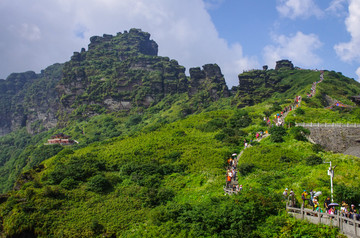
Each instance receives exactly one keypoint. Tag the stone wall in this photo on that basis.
(339, 140)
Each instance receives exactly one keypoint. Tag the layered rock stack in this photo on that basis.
(284, 64)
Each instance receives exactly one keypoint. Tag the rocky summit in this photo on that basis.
(116, 73)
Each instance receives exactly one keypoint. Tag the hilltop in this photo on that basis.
(153, 146)
(116, 73)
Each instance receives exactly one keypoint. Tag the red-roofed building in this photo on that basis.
(60, 139)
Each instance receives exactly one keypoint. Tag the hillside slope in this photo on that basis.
(156, 167)
(173, 178)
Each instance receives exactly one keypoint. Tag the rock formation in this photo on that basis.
(29, 100)
(116, 73)
(284, 64)
(257, 85)
(209, 79)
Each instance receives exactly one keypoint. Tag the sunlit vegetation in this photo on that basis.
(159, 171)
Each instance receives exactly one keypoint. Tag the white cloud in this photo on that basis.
(336, 7)
(213, 4)
(358, 72)
(350, 51)
(299, 48)
(183, 30)
(30, 32)
(298, 9)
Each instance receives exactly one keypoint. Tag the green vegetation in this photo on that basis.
(158, 169)
(168, 182)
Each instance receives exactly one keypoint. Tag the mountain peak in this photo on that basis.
(135, 41)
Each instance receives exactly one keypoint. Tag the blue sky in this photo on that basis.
(259, 25)
(238, 35)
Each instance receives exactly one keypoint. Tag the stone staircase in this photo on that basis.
(229, 190)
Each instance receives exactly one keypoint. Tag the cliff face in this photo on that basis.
(209, 79)
(116, 73)
(257, 85)
(29, 100)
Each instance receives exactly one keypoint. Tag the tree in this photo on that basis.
(98, 184)
(246, 168)
(277, 134)
(240, 119)
(313, 160)
(299, 133)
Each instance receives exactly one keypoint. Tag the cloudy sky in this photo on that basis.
(238, 35)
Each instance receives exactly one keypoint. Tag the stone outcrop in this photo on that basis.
(209, 79)
(116, 73)
(29, 100)
(257, 85)
(284, 64)
(135, 39)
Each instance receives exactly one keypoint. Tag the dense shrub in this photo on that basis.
(300, 111)
(313, 160)
(246, 168)
(68, 183)
(220, 136)
(317, 148)
(96, 227)
(285, 159)
(306, 99)
(44, 152)
(284, 225)
(133, 120)
(267, 113)
(240, 119)
(98, 184)
(53, 192)
(173, 156)
(179, 133)
(213, 125)
(237, 216)
(277, 134)
(228, 131)
(299, 133)
(276, 107)
(78, 168)
(351, 195)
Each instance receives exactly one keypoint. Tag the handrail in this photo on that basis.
(347, 226)
(316, 124)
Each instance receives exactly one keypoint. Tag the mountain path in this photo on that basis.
(233, 186)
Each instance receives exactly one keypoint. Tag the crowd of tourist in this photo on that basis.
(231, 175)
(311, 199)
(280, 116)
(313, 86)
(231, 179)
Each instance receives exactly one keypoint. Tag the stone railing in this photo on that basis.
(312, 124)
(347, 226)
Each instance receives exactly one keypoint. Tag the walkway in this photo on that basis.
(233, 186)
(313, 87)
(349, 227)
(234, 182)
(337, 125)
